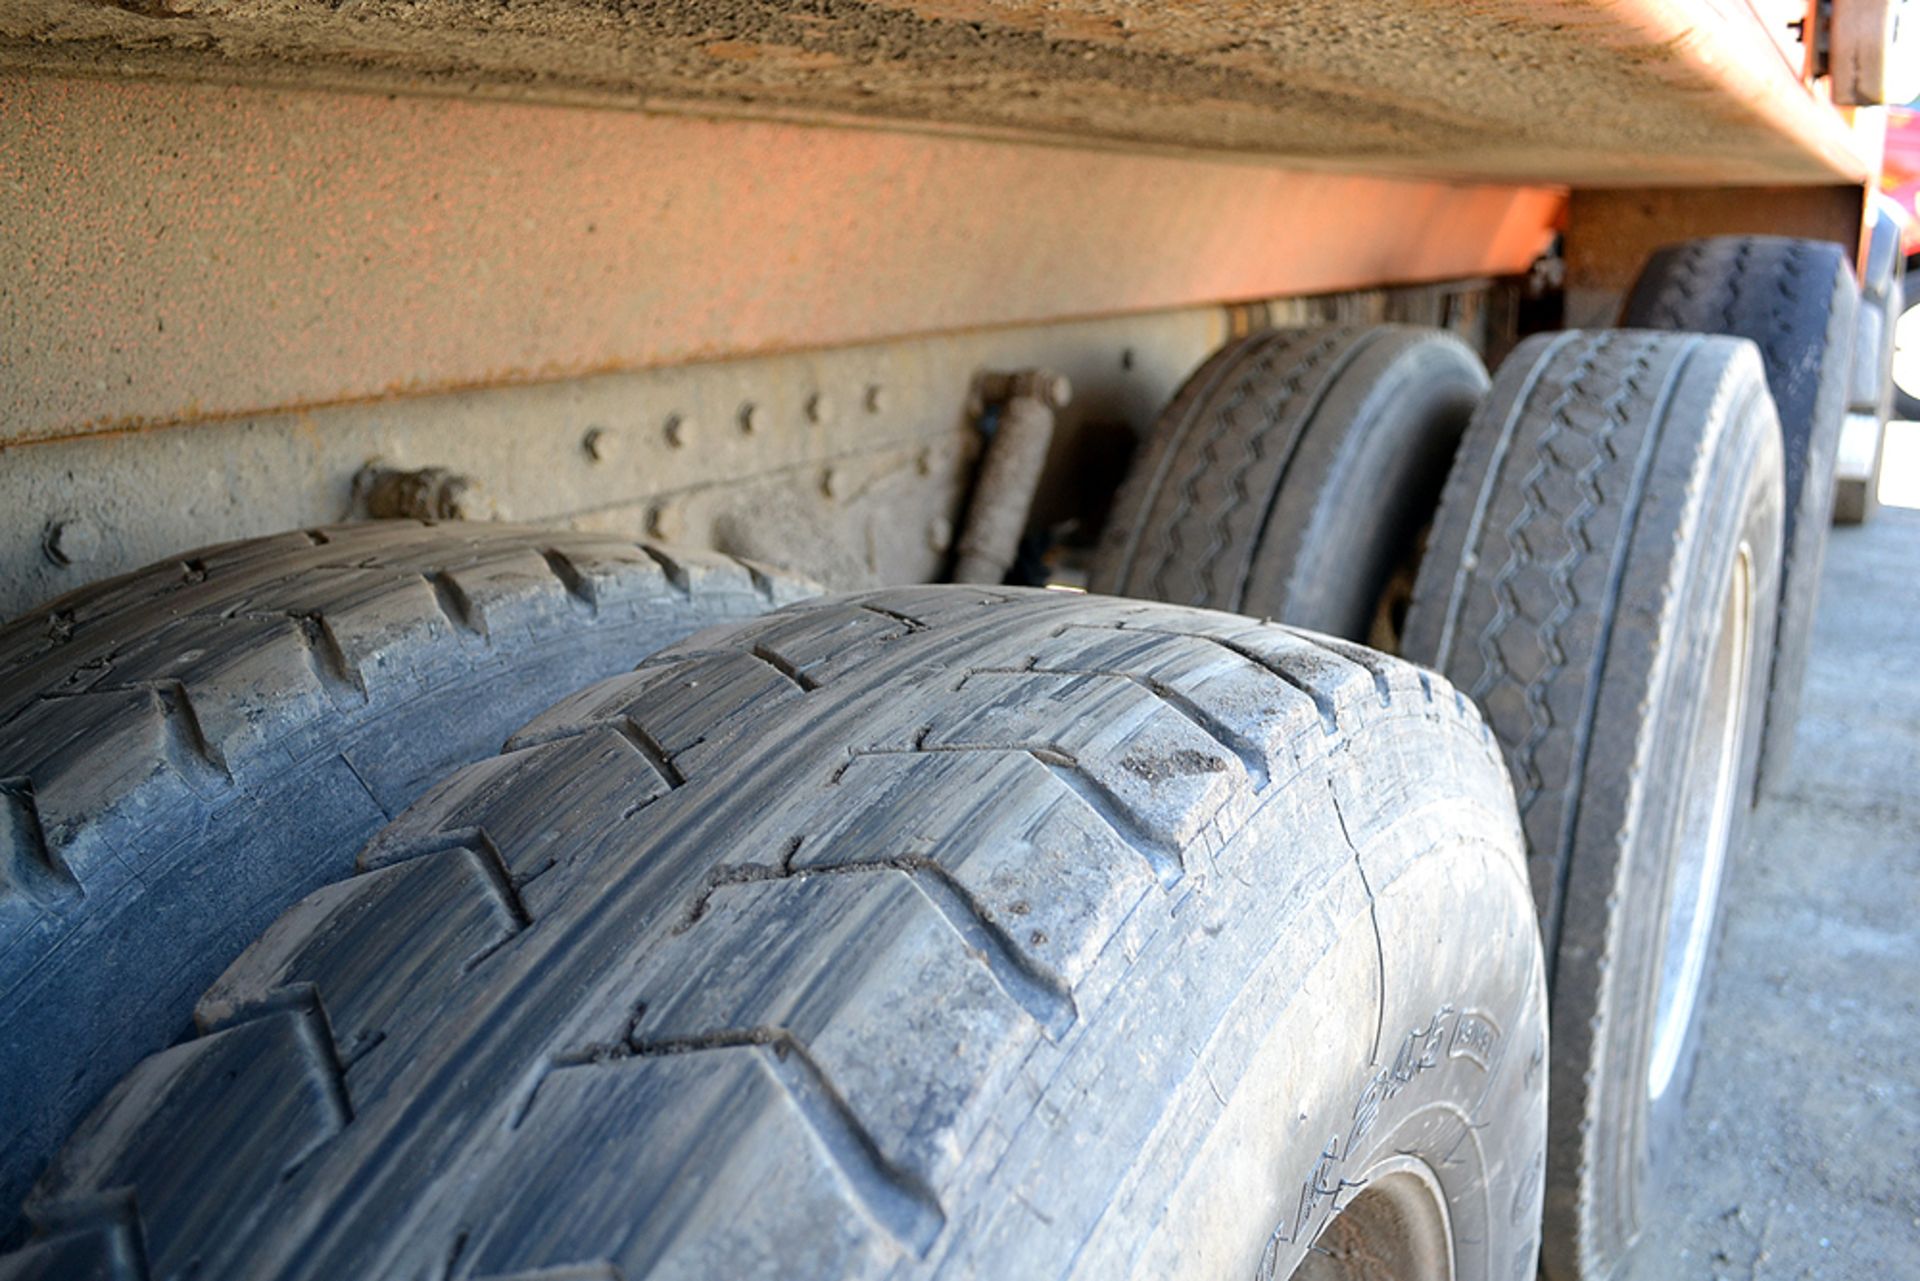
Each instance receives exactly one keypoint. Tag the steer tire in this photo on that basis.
(1293, 475)
(1615, 502)
(929, 932)
(187, 749)
(1797, 300)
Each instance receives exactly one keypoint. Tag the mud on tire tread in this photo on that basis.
(850, 902)
(187, 749)
(1797, 300)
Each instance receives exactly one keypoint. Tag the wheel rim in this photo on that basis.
(1395, 1227)
(1706, 823)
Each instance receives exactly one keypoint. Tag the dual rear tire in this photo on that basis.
(1603, 580)
(1003, 933)
(1602, 575)
(187, 749)
(1798, 302)
(1292, 477)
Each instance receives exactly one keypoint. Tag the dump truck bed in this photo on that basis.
(1528, 91)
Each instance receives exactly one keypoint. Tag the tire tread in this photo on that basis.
(1050, 711)
(241, 718)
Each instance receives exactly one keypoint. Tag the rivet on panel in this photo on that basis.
(940, 534)
(71, 542)
(753, 418)
(679, 431)
(834, 483)
(599, 444)
(876, 398)
(819, 407)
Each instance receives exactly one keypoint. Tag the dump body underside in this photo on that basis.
(1535, 91)
(208, 226)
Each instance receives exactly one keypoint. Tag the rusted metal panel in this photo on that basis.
(1581, 92)
(181, 252)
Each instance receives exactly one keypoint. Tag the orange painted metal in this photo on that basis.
(1721, 49)
(178, 252)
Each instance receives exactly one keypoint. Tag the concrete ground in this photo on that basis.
(1802, 1157)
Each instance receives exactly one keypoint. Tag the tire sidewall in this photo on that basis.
(1448, 1069)
(1368, 479)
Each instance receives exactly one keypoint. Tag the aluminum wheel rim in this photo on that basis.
(1396, 1226)
(1706, 823)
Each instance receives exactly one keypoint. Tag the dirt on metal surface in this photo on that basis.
(1577, 91)
(1800, 1156)
(182, 252)
(851, 465)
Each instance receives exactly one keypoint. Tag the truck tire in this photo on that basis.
(1602, 581)
(1293, 474)
(187, 749)
(1798, 301)
(930, 932)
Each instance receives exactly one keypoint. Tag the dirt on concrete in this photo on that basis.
(1801, 1152)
